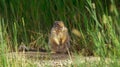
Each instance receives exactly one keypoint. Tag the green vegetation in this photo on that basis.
(94, 26)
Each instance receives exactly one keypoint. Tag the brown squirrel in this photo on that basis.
(59, 40)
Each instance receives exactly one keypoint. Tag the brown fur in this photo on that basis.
(59, 39)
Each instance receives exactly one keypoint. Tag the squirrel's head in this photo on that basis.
(58, 24)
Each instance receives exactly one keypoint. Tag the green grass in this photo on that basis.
(30, 22)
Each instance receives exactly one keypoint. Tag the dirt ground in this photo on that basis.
(42, 59)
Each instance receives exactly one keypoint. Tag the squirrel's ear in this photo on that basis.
(56, 22)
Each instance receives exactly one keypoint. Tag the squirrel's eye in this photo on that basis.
(57, 24)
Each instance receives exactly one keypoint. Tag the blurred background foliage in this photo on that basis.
(95, 22)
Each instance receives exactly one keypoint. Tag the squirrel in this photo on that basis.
(59, 39)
